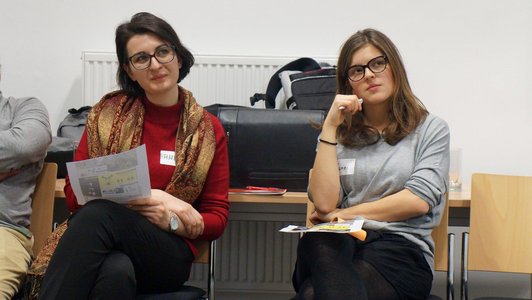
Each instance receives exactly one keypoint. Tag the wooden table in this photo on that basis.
(456, 199)
(59, 185)
(460, 199)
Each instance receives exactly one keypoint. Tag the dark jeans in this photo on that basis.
(112, 252)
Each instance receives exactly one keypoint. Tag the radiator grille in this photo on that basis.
(252, 253)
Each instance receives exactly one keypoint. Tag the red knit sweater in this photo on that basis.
(159, 132)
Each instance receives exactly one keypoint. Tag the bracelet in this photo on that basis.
(327, 142)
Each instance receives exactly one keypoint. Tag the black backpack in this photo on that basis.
(69, 132)
(305, 84)
(73, 124)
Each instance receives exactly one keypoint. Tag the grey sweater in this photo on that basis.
(419, 163)
(24, 137)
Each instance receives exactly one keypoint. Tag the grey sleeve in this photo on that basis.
(27, 138)
(429, 179)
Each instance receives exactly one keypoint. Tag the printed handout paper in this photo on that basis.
(119, 177)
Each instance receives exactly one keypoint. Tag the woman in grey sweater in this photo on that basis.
(383, 158)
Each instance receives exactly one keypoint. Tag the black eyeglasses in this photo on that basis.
(376, 65)
(163, 54)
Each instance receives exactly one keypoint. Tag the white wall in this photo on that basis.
(469, 61)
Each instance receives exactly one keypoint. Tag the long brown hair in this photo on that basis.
(406, 111)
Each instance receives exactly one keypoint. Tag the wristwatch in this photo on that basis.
(173, 224)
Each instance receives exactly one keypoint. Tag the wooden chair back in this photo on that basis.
(441, 241)
(42, 206)
(500, 223)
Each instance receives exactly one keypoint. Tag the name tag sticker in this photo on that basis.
(167, 158)
(346, 166)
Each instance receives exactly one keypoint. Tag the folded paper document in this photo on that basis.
(119, 177)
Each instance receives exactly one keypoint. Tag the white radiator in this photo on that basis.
(98, 76)
(212, 79)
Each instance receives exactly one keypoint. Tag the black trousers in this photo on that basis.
(112, 252)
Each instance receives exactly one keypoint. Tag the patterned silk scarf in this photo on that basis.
(115, 125)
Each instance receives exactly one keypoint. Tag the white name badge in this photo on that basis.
(346, 166)
(167, 158)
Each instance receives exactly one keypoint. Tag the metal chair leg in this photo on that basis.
(464, 274)
(450, 267)
(211, 281)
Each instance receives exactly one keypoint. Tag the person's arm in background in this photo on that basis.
(27, 138)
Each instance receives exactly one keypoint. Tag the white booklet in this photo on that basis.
(342, 226)
(119, 177)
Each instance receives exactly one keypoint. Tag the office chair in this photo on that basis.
(499, 238)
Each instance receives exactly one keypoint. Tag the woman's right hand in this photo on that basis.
(160, 204)
(316, 217)
(342, 105)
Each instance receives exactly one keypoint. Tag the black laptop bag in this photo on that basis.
(306, 84)
(270, 147)
(313, 89)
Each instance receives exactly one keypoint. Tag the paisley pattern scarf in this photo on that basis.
(115, 125)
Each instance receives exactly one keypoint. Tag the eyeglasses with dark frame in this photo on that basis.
(163, 54)
(376, 65)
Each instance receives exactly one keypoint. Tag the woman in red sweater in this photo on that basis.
(114, 251)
